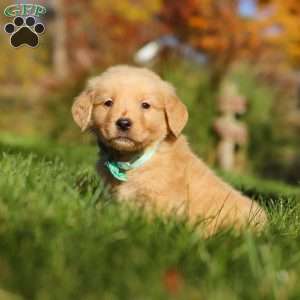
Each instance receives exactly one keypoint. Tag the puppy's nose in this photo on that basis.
(124, 124)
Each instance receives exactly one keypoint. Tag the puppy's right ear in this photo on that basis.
(82, 110)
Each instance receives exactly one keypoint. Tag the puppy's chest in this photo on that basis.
(147, 184)
(141, 186)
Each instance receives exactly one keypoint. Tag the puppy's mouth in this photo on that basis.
(123, 140)
(123, 143)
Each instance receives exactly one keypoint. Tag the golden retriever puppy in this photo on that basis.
(138, 119)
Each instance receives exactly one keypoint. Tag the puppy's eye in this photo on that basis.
(146, 105)
(108, 103)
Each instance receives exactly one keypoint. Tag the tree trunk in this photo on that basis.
(60, 53)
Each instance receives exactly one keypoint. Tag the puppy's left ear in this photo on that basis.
(176, 113)
(82, 110)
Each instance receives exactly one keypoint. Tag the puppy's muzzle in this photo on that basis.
(124, 124)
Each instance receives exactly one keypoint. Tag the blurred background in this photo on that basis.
(234, 63)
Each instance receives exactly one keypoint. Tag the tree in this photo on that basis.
(283, 18)
(214, 28)
(60, 53)
(106, 34)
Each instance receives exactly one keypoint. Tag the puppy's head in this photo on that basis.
(130, 108)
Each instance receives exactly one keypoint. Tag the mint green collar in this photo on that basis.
(118, 168)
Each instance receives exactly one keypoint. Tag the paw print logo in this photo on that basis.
(24, 31)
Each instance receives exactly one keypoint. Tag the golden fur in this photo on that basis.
(174, 179)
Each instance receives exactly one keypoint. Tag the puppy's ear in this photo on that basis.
(176, 113)
(82, 110)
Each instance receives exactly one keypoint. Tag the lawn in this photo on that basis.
(62, 237)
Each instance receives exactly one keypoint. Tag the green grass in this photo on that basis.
(59, 241)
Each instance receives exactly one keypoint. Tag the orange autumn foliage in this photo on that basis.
(284, 26)
(107, 34)
(214, 27)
